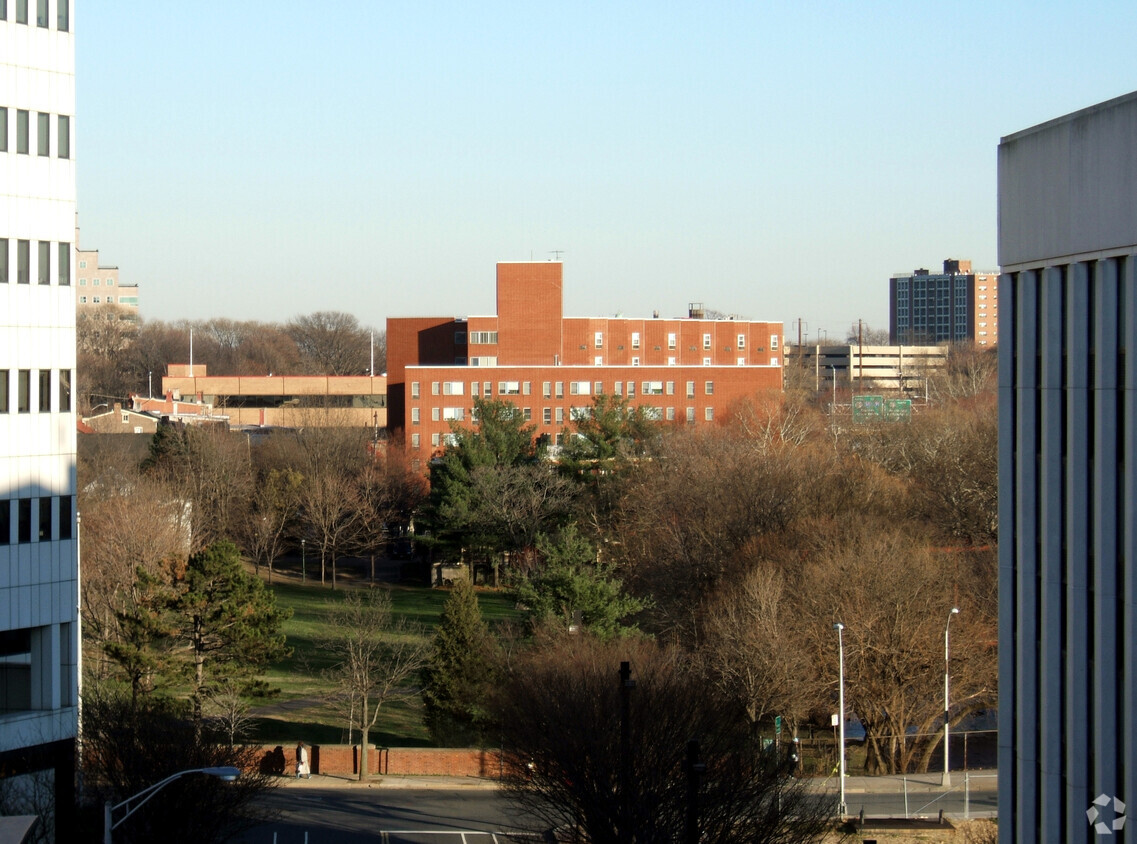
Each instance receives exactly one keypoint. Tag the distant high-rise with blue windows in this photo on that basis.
(955, 306)
(39, 568)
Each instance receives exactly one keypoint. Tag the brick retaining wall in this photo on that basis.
(343, 760)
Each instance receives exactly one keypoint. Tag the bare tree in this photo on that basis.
(607, 754)
(332, 343)
(375, 658)
(275, 505)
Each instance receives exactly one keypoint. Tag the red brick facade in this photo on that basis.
(343, 760)
(686, 371)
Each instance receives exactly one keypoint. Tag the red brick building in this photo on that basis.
(687, 371)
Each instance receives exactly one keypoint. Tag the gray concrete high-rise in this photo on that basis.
(1068, 475)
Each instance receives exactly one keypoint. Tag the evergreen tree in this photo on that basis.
(145, 631)
(570, 586)
(229, 622)
(459, 671)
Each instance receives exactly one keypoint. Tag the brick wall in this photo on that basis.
(343, 760)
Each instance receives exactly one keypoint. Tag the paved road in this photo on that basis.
(338, 815)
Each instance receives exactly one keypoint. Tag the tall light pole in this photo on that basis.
(947, 700)
(839, 627)
(303, 560)
(226, 773)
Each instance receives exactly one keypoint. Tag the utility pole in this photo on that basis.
(626, 686)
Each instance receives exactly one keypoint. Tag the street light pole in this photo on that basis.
(946, 781)
(839, 627)
(226, 773)
(303, 560)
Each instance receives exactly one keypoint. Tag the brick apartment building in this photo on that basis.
(687, 371)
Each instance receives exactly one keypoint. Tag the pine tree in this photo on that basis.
(459, 672)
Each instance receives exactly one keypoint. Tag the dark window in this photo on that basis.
(43, 271)
(64, 140)
(22, 118)
(45, 391)
(65, 391)
(23, 261)
(3, 120)
(64, 264)
(45, 519)
(5, 522)
(3, 10)
(24, 520)
(21, 11)
(43, 132)
(23, 390)
(65, 517)
(3, 260)
(3, 391)
(41, 13)
(63, 15)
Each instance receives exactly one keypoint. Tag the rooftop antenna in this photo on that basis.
(556, 253)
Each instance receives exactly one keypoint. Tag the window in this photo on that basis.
(773, 361)
(560, 389)
(598, 388)
(579, 388)
(3, 122)
(453, 414)
(706, 361)
(651, 388)
(653, 413)
(527, 414)
(526, 388)
(5, 516)
(635, 339)
(670, 414)
(62, 15)
(670, 388)
(671, 360)
(45, 519)
(709, 414)
(690, 389)
(65, 391)
(547, 389)
(459, 338)
(65, 517)
(691, 415)
(23, 391)
(3, 17)
(95, 282)
(24, 520)
(486, 389)
(741, 361)
(631, 389)
(64, 265)
(619, 388)
(478, 338)
(416, 415)
(82, 300)
(435, 440)
(43, 133)
(599, 340)
(509, 388)
(742, 341)
(3, 391)
(43, 271)
(22, 117)
(706, 342)
(635, 361)
(475, 389)
(435, 414)
(21, 11)
(3, 257)
(416, 440)
(414, 390)
(671, 339)
(560, 416)
(96, 300)
(23, 261)
(82, 281)
(453, 388)
(773, 341)
(598, 360)
(45, 391)
(63, 142)
(547, 415)
(709, 388)
(41, 13)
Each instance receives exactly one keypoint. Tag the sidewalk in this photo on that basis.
(983, 780)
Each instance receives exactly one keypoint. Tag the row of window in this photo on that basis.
(40, 267)
(33, 388)
(95, 282)
(62, 13)
(549, 388)
(490, 337)
(42, 519)
(23, 141)
(98, 300)
(656, 413)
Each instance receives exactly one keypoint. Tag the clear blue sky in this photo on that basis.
(777, 160)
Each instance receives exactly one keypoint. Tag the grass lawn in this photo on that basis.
(304, 709)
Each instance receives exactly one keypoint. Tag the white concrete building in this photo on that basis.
(1068, 476)
(39, 572)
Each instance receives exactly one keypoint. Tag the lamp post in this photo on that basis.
(303, 560)
(947, 701)
(839, 627)
(833, 405)
(225, 773)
